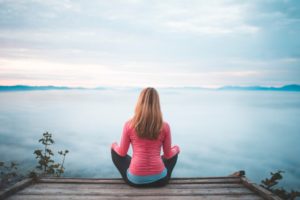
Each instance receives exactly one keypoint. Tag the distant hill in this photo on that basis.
(30, 88)
(293, 87)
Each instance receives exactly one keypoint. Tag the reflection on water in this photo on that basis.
(219, 132)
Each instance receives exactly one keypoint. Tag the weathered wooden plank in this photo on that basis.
(259, 190)
(176, 178)
(16, 187)
(179, 188)
(135, 191)
(88, 197)
(125, 186)
(206, 177)
(120, 181)
(205, 181)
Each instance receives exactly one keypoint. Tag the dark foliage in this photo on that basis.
(7, 173)
(46, 164)
(270, 183)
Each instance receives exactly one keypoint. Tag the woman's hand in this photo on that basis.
(114, 145)
(176, 149)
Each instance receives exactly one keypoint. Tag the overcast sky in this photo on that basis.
(149, 43)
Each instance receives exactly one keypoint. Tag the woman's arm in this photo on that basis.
(168, 151)
(124, 144)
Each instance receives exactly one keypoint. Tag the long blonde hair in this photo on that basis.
(147, 120)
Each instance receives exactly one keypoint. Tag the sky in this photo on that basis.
(169, 43)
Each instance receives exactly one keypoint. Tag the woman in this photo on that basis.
(147, 133)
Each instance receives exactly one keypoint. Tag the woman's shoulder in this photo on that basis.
(128, 124)
(165, 127)
(166, 124)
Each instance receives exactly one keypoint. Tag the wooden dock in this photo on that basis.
(213, 188)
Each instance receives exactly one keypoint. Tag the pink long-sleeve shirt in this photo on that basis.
(146, 159)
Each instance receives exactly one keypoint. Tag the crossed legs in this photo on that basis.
(122, 163)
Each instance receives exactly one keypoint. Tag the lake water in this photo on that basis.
(219, 132)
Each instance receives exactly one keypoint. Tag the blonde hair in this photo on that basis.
(147, 120)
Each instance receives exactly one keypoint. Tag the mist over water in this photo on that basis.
(219, 132)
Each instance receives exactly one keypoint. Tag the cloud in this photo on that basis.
(49, 73)
(214, 18)
(124, 42)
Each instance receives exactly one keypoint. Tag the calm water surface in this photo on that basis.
(219, 132)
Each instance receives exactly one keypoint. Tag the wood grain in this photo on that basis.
(212, 188)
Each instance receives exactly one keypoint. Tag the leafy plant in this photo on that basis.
(8, 172)
(46, 164)
(61, 170)
(45, 156)
(269, 184)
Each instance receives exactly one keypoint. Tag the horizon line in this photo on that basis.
(163, 87)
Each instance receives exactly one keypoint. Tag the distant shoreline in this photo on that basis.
(15, 88)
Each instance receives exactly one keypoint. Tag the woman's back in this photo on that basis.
(146, 159)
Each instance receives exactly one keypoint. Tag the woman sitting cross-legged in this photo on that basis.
(147, 133)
